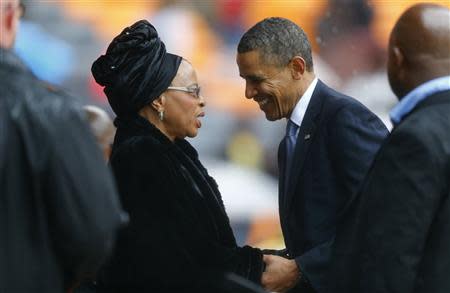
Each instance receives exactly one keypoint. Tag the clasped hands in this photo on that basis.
(280, 275)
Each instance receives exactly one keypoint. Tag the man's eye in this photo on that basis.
(256, 80)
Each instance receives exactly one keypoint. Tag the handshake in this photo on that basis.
(280, 273)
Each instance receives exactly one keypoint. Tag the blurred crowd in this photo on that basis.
(60, 39)
(328, 199)
(349, 39)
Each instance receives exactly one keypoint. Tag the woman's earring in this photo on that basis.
(161, 115)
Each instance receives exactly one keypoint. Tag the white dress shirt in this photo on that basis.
(300, 109)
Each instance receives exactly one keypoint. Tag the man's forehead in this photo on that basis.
(252, 64)
(248, 63)
(249, 58)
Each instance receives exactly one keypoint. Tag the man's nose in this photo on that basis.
(250, 90)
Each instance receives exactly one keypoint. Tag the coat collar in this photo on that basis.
(136, 125)
(9, 59)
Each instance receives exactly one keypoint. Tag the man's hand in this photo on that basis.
(280, 275)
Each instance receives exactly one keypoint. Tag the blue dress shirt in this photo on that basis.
(420, 93)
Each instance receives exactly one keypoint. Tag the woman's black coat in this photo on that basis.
(178, 224)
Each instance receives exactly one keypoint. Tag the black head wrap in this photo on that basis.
(136, 68)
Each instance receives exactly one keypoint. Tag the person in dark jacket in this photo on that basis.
(59, 209)
(394, 237)
(178, 224)
(331, 140)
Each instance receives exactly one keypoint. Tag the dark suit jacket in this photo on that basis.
(335, 146)
(395, 236)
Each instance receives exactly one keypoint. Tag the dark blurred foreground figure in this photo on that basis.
(395, 235)
(178, 228)
(59, 209)
(330, 142)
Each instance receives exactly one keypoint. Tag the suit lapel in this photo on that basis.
(304, 139)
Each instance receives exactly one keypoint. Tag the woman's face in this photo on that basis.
(183, 109)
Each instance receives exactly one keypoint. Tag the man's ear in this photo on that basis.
(399, 57)
(298, 67)
(8, 18)
(159, 103)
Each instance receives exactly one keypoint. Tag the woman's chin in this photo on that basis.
(192, 133)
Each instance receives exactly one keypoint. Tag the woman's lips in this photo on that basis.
(198, 122)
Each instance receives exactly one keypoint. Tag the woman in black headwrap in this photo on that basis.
(178, 225)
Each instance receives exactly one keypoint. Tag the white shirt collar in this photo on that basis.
(300, 109)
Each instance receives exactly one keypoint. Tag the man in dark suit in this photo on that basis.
(330, 143)
(395, 235)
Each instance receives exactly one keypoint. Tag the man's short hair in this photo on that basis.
(278, 40)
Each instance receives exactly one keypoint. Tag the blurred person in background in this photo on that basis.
(344, 29)
(348, 45)
(394, 236)
(103, 130)
(330, 142)
(179, 229)
(59, 209)
(102, 127)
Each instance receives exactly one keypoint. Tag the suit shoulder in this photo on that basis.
(43, 99)
(47, 108)
(431, 122)
(335, 102)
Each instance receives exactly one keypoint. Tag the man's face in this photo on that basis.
(271, 86)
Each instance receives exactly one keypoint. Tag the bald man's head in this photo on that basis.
(419, 47)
